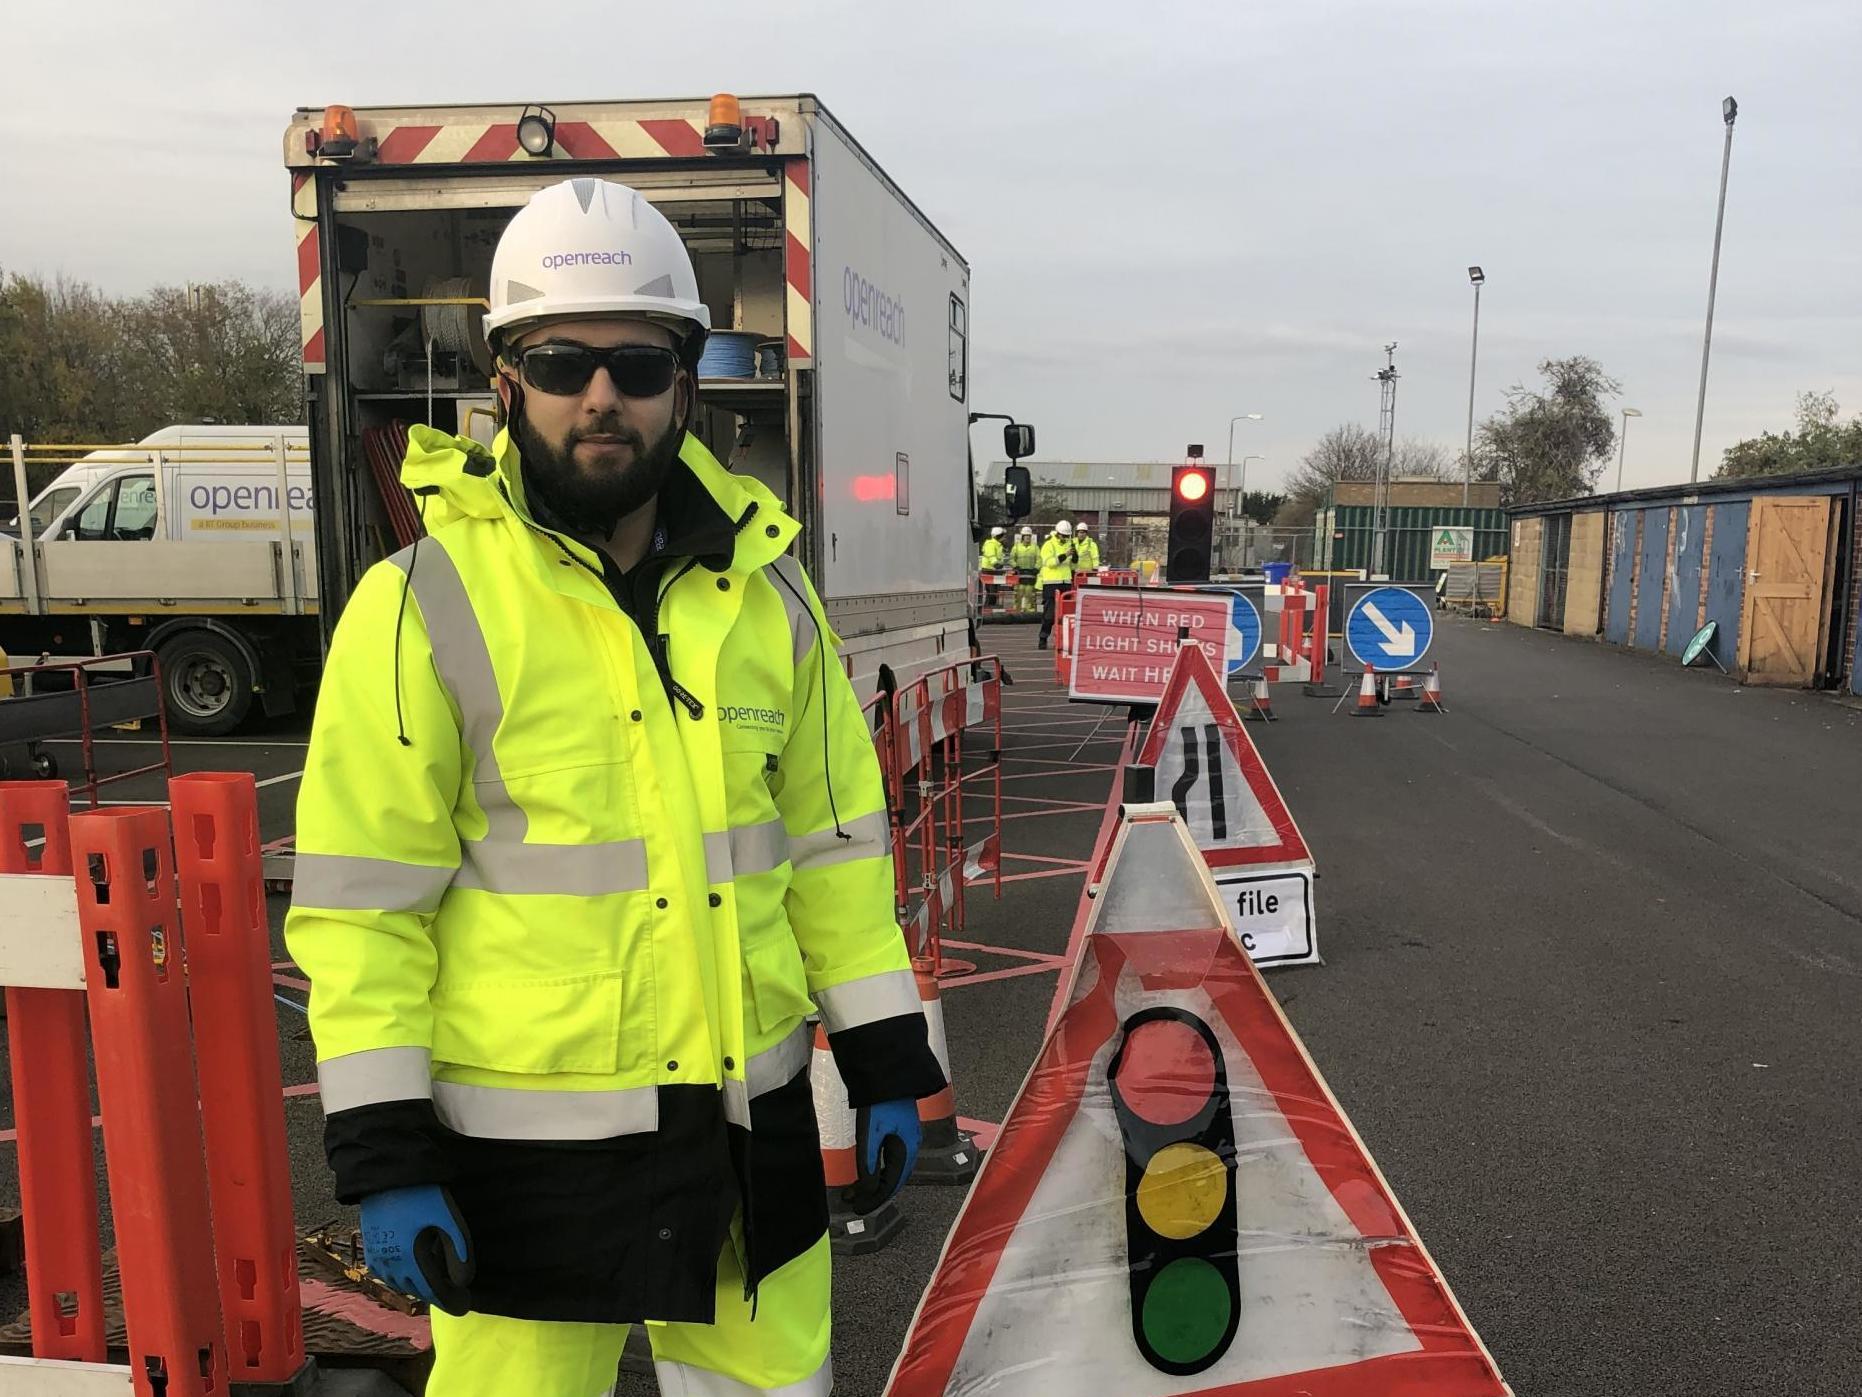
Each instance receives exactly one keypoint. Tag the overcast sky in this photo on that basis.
(1173, 213)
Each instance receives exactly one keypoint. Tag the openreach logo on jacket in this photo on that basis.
(750, 718)
(553, 260)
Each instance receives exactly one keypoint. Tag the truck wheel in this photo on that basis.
(206, 684)
(45, 766)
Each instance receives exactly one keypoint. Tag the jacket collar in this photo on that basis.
(737, 520)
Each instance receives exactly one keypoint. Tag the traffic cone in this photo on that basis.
(852, 1234)
(946, 1155)
(1368, 706)
(1432, 692)
(1261, 705)
(1405, 687)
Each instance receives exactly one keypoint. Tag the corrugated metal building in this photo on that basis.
(1774, 561)
(1344, 529)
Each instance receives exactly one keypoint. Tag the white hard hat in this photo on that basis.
(1082, 527)
(1063, 528)
(591, 247)
(997, 532)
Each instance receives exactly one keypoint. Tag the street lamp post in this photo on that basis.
(1229, 470)
(1622, 445)
(1477, 277)
(1241, 508)
(1729, 112)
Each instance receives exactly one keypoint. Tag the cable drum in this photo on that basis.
(729, 354)
(455, 329)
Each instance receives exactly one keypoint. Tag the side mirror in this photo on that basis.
(1018, 441)
(1018, 488)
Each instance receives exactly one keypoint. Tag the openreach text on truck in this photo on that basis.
(837, 372)
(194, 542)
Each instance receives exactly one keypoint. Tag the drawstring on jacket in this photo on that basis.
(400, 615)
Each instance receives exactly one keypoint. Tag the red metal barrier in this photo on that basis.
(34, 717)
(145, 1084)
(51, 1107)
(241, 1086)
(930, 718)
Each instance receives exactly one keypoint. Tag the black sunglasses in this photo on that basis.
(561, 368)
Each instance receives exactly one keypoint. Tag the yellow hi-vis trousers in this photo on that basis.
(782, 1351)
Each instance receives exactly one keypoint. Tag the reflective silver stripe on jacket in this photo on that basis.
(870, 838)
(686, 1380)
(571, 870)
(505, 1113)
(745, 850)
(464, 662)
(351, 883)
(794, 596)
(502, 1113)
(769, 1069)
(868, 1000)
(377, 1075)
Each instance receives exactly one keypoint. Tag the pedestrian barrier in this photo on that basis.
(204, 1242)
(927, 725)
(89, 697)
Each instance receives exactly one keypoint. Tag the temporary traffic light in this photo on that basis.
(1192, 524)
(1170, 1093)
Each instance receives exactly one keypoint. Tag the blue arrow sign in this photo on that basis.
(1244, 634)
(1389, 628)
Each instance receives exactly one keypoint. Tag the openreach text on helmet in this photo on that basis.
(587, 259)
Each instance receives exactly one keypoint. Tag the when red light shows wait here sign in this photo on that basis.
(1125, 639)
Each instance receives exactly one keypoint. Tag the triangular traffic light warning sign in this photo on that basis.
(1176, 1204)
(1209, 768)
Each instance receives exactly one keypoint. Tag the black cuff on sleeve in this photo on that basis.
(887, 1060)
(392, 1144)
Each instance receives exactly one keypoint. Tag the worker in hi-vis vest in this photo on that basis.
(591, 823)
(1058, 561)
(1025, 558)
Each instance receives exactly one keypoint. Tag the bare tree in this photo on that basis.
(1351, 451)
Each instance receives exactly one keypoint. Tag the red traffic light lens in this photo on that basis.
(1193, 485)
(1166, 1072)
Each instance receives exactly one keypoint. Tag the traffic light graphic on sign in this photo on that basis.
(1192, 524)
(1169, 1090)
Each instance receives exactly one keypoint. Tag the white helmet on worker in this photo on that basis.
(997, 532)
(1064, 529)
(590, 247)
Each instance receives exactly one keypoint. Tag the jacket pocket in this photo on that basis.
(572, 1024)
(777, 982)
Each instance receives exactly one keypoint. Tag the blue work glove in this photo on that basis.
(416, 1242)
(885, 1149)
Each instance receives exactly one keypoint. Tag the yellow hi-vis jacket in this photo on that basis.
(1087, 551)
(991, 557)
(559, 890)
(1026, 556)
(1057, 560)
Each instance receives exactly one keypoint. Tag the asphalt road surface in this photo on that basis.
(1592, 996)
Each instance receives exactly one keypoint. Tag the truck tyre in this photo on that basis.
(206, 684)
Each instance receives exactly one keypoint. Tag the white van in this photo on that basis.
(189, 544)
(214, 482)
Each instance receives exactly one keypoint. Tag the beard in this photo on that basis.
(591, 502)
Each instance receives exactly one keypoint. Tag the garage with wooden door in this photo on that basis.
(1772, 565)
